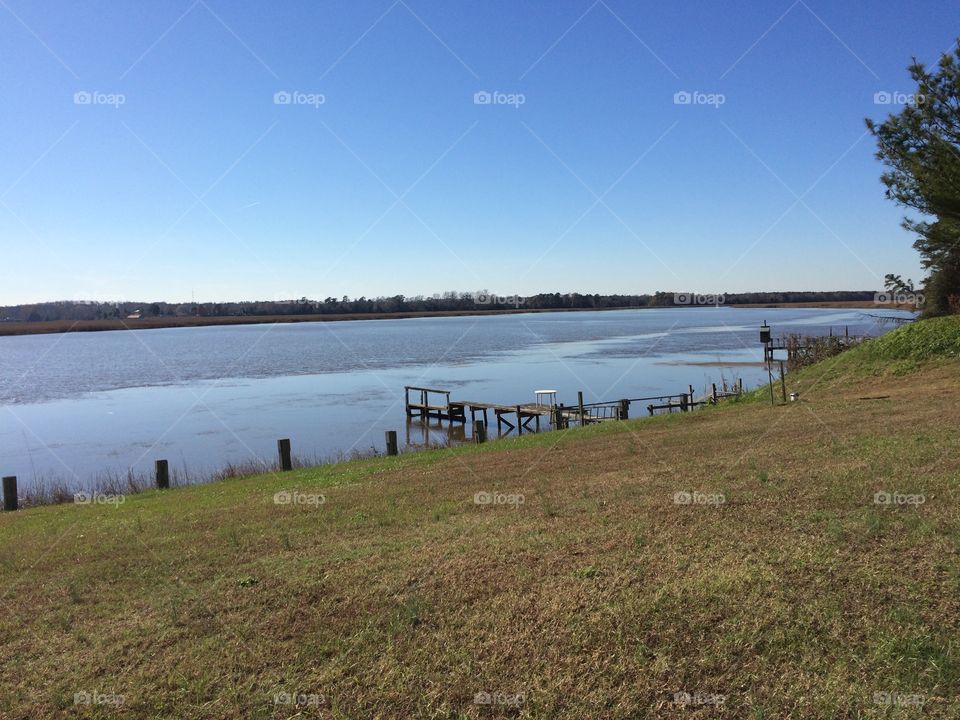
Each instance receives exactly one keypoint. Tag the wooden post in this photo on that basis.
(690, 391)
(391, 436)
(283, 449)
(479, 431)
(10, 493)
(406, 400)
(624, 409)
(162, 474)
(684, 403)
(713, 392)
(580, 405)
(740, 386)
(783, 383)
(650, 409)
(519, 422)
(770, 378)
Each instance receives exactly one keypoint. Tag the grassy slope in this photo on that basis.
(598, 597)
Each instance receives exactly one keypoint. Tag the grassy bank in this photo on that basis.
(805, 578)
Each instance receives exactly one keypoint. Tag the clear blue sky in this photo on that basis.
(200, 184)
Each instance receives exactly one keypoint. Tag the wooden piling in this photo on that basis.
(783, 383)
(624, 409)
(283, 449)
(162, 474)
(479, 431)
(10, 493)
(580, 405)
(391, 437)
(519, 422)
(713, 392)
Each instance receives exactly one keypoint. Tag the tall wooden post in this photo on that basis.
(580, 405)
(519, 422)
(10, 493)
(783, 383)
(713, 392)
(624, 409)
(391, 437)
(479, 431)
(162, 474)
(283, 449)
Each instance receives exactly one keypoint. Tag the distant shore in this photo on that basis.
(65, 326)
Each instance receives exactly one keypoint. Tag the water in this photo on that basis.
(78, 405)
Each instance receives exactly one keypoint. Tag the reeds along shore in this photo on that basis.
(110, 484)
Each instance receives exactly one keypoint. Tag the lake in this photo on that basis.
(75, 406)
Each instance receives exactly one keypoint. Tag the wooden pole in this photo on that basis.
(770, 377)
(162, 474)
(580, 405)
(391, 436)
(713, 392)
(10, 493)
(479, 431)
(283, 449)
(519, 422)
(783, 383)
(624, 409)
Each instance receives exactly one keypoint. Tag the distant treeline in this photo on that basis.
(448, 301)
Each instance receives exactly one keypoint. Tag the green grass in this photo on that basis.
(598, 596)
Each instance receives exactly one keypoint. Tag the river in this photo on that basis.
(76, 406)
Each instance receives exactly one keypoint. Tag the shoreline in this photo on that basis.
(48, 327)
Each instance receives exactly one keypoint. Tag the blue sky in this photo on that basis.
(184, 176)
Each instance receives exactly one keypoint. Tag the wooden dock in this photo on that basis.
(433, 403)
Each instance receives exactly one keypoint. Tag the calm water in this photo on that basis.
(77, 405)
